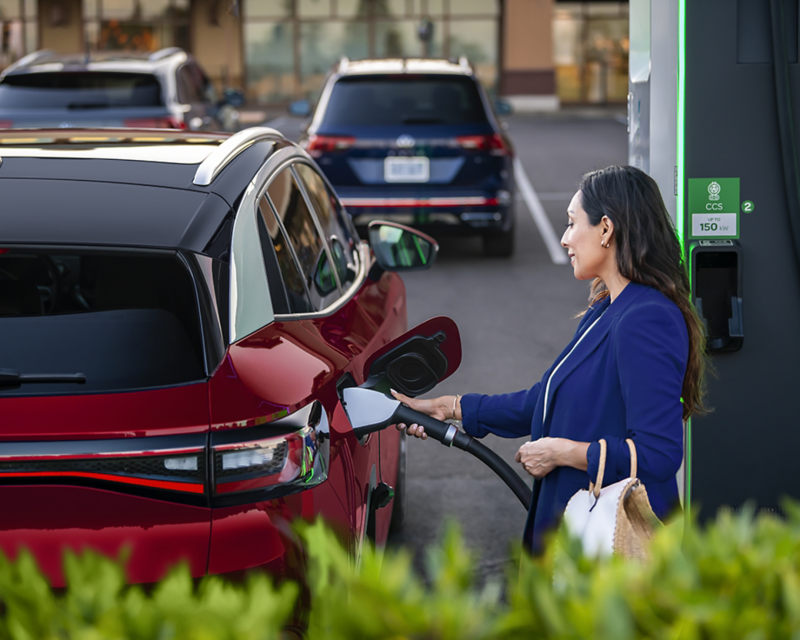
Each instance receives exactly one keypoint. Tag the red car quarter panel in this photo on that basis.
(47, 520)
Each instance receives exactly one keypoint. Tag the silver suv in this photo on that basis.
(166, 89)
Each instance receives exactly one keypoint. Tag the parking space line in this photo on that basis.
(551, 241)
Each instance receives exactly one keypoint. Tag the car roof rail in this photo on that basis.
(343, 64)
(24, 61)
(224, 154)
(164, 53)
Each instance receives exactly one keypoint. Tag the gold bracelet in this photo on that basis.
(454, 405)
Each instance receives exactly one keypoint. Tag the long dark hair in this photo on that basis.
(648, 252)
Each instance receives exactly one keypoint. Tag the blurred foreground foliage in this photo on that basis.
(737, 578)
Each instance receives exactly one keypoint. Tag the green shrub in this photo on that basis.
(737, 578)
(98, 605)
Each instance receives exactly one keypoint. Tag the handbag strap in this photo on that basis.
(595, 487)
(634, 461)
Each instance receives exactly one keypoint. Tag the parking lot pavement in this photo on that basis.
(515, 316)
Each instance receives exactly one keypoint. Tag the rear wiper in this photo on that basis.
(9, 377)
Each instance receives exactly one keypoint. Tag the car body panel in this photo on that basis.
(155, 533)
(255, 384)
(132, 414)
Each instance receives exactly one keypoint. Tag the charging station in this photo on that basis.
(714, 95)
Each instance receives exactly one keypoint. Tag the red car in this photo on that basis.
(177, 314)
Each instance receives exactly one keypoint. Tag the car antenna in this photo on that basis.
(87, 54)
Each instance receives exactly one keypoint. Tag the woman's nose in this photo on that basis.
(564, 239)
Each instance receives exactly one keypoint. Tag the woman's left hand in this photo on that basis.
(541, 456)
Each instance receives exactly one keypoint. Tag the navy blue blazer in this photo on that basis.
(623, 380)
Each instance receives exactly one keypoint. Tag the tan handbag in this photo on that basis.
(616, 519)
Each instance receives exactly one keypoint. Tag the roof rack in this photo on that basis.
(222, 156)
(29, 59)
(164, 53)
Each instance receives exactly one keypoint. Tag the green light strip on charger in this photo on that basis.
(680, 215)
(681, 123)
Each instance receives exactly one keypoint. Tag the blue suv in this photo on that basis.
(416, 141)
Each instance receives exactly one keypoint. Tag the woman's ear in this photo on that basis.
(607, 230)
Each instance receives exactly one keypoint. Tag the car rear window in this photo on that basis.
(404, 100)
(123, 320)
(80, 90)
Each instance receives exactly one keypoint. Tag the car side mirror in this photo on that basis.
(400, 248)
(300, 108)
(233, 97)
(503, 108)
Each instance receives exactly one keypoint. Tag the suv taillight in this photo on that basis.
(165, 122)
(6, 124)
(494, 144)
(257, 463)
(249, 464)
(317, 145)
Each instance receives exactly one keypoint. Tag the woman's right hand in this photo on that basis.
(440, 408)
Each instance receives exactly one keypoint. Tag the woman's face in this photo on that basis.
(582, 242)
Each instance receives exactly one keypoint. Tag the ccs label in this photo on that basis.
(719, 224)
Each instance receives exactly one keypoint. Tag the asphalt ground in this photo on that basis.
(515, 316)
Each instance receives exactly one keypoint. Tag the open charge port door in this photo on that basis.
(717, 292)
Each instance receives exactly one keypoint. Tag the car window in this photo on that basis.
(292, 296)
(80, 90)
(403, 100)
(195, 86)
(297, 220)
(190, 90)
(124, 320)
(209, 93)
(342, 238)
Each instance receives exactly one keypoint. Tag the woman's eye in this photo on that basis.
(569, 224)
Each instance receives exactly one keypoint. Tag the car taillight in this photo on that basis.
(177, 471)
(317, 145)
(250, 464)
(494, 144)
(264, 464)
(6, 124)
(165, 122)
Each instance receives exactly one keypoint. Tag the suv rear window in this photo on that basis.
(80, 90)
(404, 99)
(125, 320)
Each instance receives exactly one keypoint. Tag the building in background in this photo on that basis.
(590, 51)
(536, 53)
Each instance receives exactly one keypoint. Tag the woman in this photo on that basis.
(634, 368)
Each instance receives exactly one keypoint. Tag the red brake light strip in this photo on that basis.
(185, 487)
(420, 202)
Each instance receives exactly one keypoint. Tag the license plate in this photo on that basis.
(404, 169)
